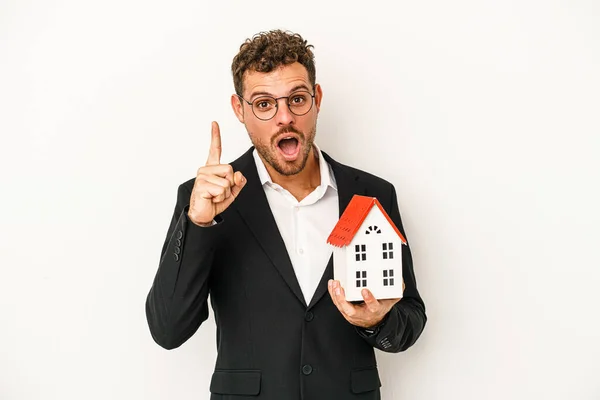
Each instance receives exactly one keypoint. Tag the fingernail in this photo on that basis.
(337, 291)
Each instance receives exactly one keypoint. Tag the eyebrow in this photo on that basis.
(297, 87)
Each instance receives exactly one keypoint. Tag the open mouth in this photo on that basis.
(289, 147)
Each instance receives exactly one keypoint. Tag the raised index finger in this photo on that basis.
(214, 156)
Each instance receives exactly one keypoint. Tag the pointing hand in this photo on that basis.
(216, 185)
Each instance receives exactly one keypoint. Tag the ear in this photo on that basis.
(238, 107)
(318, 97)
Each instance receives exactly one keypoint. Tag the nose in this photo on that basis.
(284, 116)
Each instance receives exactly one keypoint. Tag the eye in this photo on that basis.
(298, 99)
(264, 103)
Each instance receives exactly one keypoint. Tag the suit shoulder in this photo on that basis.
(372, 178)
(368, 177)
(188, 185)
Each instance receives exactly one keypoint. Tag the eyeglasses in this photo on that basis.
(265, 107)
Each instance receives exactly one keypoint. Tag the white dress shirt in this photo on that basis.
(305, 225)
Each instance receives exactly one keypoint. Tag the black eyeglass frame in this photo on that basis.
(312, 102)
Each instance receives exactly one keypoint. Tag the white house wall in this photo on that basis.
(339, 265)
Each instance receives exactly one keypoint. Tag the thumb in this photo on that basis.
(370, 300)
(239, 181)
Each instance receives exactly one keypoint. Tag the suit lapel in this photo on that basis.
(254, 208)
(348, 184)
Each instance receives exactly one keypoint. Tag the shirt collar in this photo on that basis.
(327, 177)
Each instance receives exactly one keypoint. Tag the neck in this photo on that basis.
(304, 182)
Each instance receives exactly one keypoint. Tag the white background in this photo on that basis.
(484, 114)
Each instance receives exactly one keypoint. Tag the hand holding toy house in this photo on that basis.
(367, 250)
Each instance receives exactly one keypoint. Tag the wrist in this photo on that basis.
(202, 224)
(375, 328)
(199, 223)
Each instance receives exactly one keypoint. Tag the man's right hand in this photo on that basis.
(216, 185)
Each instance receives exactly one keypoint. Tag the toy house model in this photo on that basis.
(367, 250)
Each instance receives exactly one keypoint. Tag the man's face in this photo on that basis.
(285, 140)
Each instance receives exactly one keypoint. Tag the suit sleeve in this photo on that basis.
(178, 300)
(405, 322)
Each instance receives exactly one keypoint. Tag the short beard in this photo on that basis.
(287, 168)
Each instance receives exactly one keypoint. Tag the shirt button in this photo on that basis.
(307, 369)
(309, 316)
(301, 251)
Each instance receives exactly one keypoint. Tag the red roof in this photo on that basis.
(353, 217)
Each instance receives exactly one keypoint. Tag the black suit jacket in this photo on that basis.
(271, 344)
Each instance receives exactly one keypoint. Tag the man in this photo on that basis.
(252, 234)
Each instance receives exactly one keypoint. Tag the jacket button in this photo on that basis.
(178, 242)
(177, 250)
(179, 235)
(309, 316)
(176, 257)
(307, 369)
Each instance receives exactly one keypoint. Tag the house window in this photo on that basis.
(361, 252)
(388, 277)
(388, 251)
(373, 228)
(361, 278)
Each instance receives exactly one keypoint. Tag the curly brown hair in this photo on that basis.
(267, 51)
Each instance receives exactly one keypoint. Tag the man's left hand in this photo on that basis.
(366, 315)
